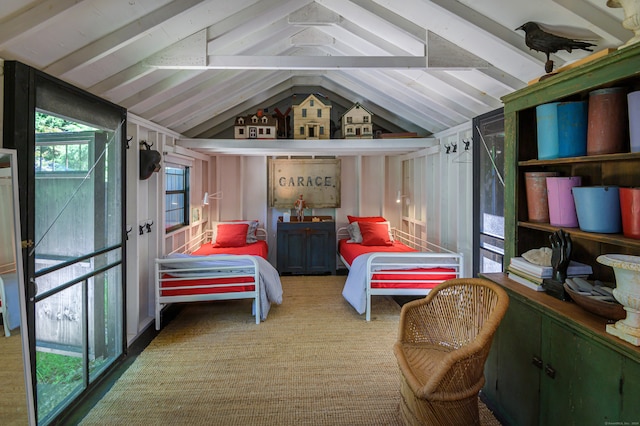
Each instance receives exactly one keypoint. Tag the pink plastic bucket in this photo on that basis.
(562, 209)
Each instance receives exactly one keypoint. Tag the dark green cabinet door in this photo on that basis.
(581, 383)
(489, 391)
(519, 360)
(556, 380)
(630, 410)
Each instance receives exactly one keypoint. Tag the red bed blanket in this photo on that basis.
(259, 248)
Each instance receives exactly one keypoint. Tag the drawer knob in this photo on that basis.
(537, 362)
(550, 371)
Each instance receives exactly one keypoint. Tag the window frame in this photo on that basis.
(184, 191)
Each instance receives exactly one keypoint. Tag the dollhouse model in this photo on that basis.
(311, 118)
(356, 123)
(256, 126)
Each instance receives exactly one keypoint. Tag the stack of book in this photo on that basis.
(532, 275)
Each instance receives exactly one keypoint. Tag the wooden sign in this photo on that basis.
(318, 181)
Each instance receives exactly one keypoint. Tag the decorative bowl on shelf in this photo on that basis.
(609, 310)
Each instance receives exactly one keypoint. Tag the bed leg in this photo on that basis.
(157, 318)
(256, 309)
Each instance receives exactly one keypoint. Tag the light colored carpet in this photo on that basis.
(314, 361)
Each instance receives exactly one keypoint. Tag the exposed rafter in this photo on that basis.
(194, 65)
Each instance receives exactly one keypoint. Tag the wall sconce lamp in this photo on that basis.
(214, 196)
(399, 198)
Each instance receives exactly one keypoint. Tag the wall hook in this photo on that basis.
(129, 229)
(141, 229)
(455, 147)
(448, 147)
(466, 143)
(145, 144)
(127, 143)
(148, 226)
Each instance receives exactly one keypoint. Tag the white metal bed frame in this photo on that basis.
(395, 264)
(199, 267)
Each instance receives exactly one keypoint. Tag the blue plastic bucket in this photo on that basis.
(572, 129)
(598, 208)
(547, 126)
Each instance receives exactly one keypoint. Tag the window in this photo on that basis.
(365, 119)
(302, 130)
(241, 131)
(268, 130)
(176, 197)
(311, 102)
(349, 120)
(349, 129)
(261, 131)
(322, 130)
(304, 112)
(319, 113)
(62, 157)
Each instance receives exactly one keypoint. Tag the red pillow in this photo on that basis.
(366, 219)
(375, 234)
(231, 235)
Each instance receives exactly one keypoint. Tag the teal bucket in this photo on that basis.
(562, 129)
(572, 129)
(598, 208)
(547, 126)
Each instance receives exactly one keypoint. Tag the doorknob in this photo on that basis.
(550, 371)
(537, 362)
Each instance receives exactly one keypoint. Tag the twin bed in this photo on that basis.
(385, 261)
(229, 262)
(226, 262)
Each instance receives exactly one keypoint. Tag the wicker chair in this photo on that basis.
(443, 343)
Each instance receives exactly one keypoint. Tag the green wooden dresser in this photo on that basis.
(552, 363)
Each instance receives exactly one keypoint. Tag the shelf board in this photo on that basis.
(585, 159)
(613, 239)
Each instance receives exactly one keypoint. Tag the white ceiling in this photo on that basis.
(192, 66)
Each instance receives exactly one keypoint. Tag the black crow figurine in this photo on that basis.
(544, 41)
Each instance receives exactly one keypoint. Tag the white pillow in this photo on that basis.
(354, 233)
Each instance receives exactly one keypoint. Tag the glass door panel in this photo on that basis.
(488, 192)
(71, 149)
(78, 312)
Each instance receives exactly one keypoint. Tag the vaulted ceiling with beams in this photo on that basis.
(193, 66)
